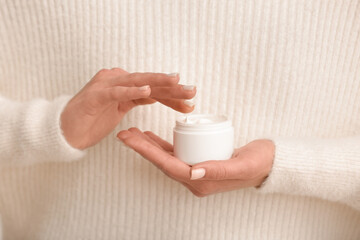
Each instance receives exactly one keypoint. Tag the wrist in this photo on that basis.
(268, 155)
(67, 131)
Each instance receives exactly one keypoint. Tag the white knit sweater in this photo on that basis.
(286, 70)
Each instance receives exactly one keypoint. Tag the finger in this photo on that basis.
(147, 138)
(170, 165)
(144, 101)
(180, 105)
(124, 94)
(108, 75)
(177, 92)
(208, 187)
(219, 170)
(164, 144)
(141, 79)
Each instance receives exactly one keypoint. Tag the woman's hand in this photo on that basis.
(100, 105)
(248, 167)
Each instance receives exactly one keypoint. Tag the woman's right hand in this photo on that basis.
(249, 165)
(101, 104)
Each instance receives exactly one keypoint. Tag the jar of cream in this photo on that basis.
(202, 137)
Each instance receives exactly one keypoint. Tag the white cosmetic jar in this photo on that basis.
(203, 137)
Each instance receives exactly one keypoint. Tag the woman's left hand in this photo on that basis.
(103, 102)
(248, 167)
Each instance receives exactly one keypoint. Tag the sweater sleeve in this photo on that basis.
(30, 132)
(323, 168)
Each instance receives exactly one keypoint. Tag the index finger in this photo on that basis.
(167, 163)
(153, 79)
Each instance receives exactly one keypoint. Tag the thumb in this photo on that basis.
(217, 170)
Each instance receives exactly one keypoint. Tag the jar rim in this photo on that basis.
(202, 122)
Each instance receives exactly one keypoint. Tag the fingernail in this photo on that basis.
(197, 173)
(188, 87)
(173, 74)
(144, 88)
(189, 103)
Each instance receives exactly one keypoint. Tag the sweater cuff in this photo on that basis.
(42, 137)
(323, 168)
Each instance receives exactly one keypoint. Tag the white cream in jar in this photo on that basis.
(203, 137)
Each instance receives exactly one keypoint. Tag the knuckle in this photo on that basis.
(118, 71)
(100, 76)
(103, 71)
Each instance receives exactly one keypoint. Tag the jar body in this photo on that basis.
(197, 145)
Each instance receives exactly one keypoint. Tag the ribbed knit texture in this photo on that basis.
(31, 133)
(287, 70)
